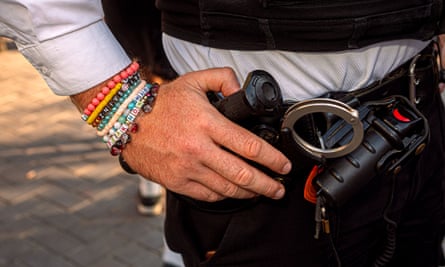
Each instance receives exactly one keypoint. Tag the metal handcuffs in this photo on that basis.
(323, 105)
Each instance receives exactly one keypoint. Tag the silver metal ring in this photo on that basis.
(324, 105)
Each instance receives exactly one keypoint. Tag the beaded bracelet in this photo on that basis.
(114, 103)
(121, 109)
(114, 106)
(120, 138)
(128, 117)
(91, 111)
(114, 110)
(104, 102)
(114, 95)
(110, 108)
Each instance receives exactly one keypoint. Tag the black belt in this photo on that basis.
(419, 74)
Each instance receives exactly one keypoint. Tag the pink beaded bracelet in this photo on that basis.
(90, 111)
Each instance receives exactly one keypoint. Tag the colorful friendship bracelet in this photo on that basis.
(113, 106)
(110, 108)
(128, 117)
(92, 106)
(120, 138)
(101, 96)
(103, 103)
(114, 110)
(121, 109)
(133, 107)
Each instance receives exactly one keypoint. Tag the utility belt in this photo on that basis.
(350, 137)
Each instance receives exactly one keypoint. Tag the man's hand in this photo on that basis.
(184, 143)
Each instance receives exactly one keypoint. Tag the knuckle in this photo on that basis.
(227, 71)
(190, 148)
(253, 147)
(212, 197)
(230, 190)
(206, 124)
(181, 166)
(244, 177)
(268, 190)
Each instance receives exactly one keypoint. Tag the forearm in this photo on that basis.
(82, 99)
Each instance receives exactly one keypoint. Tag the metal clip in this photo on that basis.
(324, 105)
(413, 81)
(325, 221)
(318, 218)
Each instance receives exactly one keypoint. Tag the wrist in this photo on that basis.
(113, 106)
(82, 99)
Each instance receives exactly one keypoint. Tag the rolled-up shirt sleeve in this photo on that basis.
(67, 41)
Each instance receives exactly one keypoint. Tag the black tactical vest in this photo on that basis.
(304, 25)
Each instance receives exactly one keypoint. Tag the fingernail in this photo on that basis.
(279, 194)
(286, 168)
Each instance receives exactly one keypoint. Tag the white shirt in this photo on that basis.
(69, 43)
(300, 75)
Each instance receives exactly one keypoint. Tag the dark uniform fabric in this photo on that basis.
(137, 26)
(306, 25)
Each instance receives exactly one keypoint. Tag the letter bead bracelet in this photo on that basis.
(114, 110)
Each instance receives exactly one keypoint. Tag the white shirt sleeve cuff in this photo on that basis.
(79, 60)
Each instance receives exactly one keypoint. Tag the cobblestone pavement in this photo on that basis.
(64, 201)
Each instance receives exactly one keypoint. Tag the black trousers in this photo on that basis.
(280, 233)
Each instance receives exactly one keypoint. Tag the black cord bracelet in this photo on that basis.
(125, 166)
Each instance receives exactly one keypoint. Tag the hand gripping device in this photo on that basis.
(352, 141)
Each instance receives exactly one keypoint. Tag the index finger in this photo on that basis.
(246, 144)
(247, 177)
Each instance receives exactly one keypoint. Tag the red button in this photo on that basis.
(399, 116)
